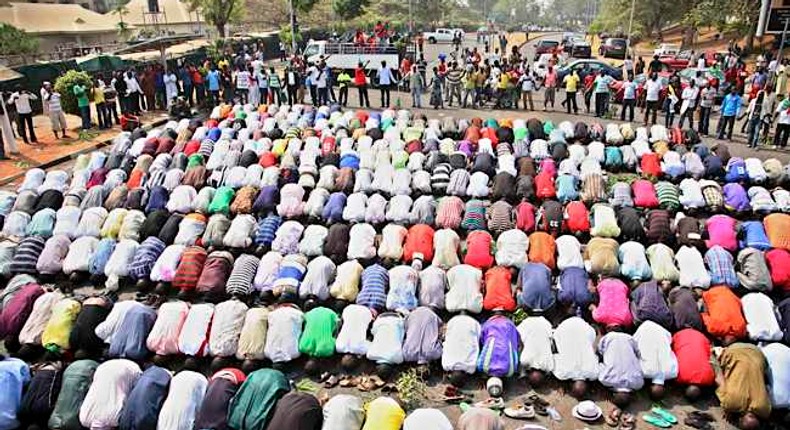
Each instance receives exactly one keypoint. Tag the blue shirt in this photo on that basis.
(14, 375)
(267, 229)
(373, 294)
(213, 80)
(629, 90)
(721, 267)
(754, 236)
(731, 106)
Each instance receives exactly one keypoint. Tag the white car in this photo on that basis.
(667, 49)
(440, 35)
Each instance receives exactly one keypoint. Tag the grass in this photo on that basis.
(411, 388)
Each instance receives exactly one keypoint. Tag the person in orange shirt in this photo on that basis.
(361, 82)
(499, 290)
(722, 316)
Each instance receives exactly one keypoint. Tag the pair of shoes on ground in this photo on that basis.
(618, 419)
(699, 420)
(660, 417)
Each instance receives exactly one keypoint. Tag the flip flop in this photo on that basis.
(613, 417)
(349, 381)
(657, 421)
(627, 421)
(704, 416)
(378, 382)
(664, 414)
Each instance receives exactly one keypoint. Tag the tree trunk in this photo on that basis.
(220, 29)
(688, 37)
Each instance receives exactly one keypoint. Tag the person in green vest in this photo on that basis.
(318, 337)
(81, 92)
(275, 86)
(343, 80)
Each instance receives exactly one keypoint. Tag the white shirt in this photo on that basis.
(170, 317)
(313, 238)
(320, 273)
(282, 338)
(399, 209)
(511, 248)
(656, 358)
(353, 335)
(778, 357)
(226, 327)
(662, 263)
(343, 412)
(193, 339)
(183, 401)
(652, 89)
(22, 102)
(112, 383)
(461, 344)
(446, 243)
(692, 268)
(387, 345)
(361, 242)
(535, 333)
(569, 252)
(355, 207)
(385, 76)
(392, 237)
(761, 323)
(576, 358)
(243, 80)
(422, 419)
(465, 282)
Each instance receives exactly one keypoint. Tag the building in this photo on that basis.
(65, 30)
(175, 17)
(100, 6)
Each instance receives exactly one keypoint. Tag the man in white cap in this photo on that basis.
(50, 99)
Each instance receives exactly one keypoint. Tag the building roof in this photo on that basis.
(175, 12)
(53, 18)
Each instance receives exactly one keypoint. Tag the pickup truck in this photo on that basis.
(441, 35)
(347, 56)
(667, 49)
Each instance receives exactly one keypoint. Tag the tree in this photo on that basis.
(123, 28)
(65, 86)
(14, 41)
(348, 9)
(219, 13)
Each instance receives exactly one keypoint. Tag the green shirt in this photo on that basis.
(343, 79)
(318, 337)
(82, 96)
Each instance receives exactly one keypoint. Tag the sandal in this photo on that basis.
(331, 381)
(540, 410)
(697, 423)
(520, 412)
(349, 381)
(378, 382)
(656, 420)
(627, 421)
(704, 416)
(613, 417)
(366, 385)
(664, 414)
(535, 399)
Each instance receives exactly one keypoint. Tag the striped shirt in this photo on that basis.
(240, 280)
(450, 212)
(459, 181)
(440, 177)
(267, 230)
(721, 267)
(189, 269)
(27, 254)
(500, 216)
(475, 215)
(373, 294)
(668, 195)
(593, 188)
(145, 256)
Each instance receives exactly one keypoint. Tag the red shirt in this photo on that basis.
(419, 240)
(499, 294)
(723, 315)
(478, 249)
(692, 350)
(577, 217)
(359, 77)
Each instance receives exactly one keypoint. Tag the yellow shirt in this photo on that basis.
(571, 83)
(98, 96)
(503, 80)
(384, 413)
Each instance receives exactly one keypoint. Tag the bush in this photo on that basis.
(65, 84)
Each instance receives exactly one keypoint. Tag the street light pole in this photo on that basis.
(630, 28)
(411, 21)
(293, 27)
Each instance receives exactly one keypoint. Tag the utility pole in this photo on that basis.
(293, 27)
(630, 28)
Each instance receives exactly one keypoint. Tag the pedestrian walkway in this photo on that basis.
(50, 151)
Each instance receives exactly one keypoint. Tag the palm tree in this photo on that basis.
(120, 9)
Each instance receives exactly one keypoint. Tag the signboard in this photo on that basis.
(780, 11)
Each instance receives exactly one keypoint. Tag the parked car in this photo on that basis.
(583, 67)
(440, 35)
(545, 47)
(667, 49)
(581, 49)
(613, 47)
(568, 39)
(677, 62)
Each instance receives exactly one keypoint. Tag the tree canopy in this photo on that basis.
(14, 41)
(219, 13)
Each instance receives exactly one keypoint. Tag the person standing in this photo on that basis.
(242, 84)
(385, 81)
(602, 83)
(7, 141)
(186, 83)
(275, 87)
(689, 103)
(84, 104)
(571, 82)
(321, 85)
(343, 81)
(51, 101)
(706, 100)
(469, 85)
(753, 118)
(655, 65)
(629, 99)
(292, 80)
(110, 102)
(782, 124)
(628, 65)
(453, 79)
(311, 77)
(99, 102)
(254, 92)
(361, 82)
(436, 90)
(652, 93)
(213, 79)
(159, 84)
(639, 68)
(527, 83)
(550, 82)
(416, 87)
(199, 84)
(119, 84)
(21, 100)
(226, 77)
(730, 108)
(171, 88)
(134, 92)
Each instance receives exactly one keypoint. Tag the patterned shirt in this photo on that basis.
(475, 215)
(721, 267)
(374, 287)
(668, 196)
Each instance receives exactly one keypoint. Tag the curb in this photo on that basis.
(63, 159)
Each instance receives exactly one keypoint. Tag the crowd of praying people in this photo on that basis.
(269, 234)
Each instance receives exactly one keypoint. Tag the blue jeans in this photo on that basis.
(85, 113)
